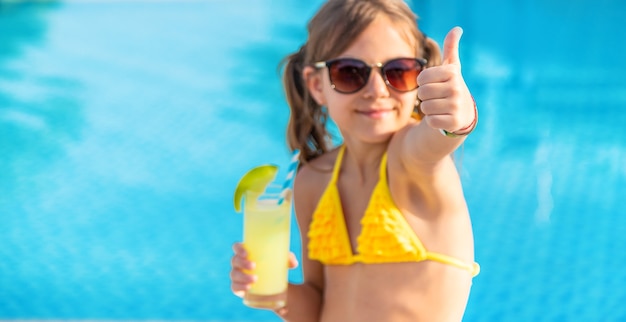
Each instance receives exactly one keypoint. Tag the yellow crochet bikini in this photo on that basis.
(386, 236)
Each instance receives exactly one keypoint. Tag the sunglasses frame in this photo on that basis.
(328, 63)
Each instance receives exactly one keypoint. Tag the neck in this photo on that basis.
(362, 160)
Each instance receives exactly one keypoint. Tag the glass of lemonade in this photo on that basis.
(266, 231)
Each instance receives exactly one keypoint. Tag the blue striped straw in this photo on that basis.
(291, 173)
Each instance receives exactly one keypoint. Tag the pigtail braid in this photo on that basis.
(306, 129)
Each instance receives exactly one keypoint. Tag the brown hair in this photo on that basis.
(331, 31)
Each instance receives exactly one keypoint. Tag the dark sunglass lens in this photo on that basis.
(348, 75)
(402, 73)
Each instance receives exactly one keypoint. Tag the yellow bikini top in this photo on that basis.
(386, 236)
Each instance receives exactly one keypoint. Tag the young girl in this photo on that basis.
(384, 223)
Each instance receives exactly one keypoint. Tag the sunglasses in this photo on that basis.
(349, 75)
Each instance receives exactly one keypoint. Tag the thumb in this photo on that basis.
(451, 46)
(293, 261)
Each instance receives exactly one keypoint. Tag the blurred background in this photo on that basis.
(125, 126)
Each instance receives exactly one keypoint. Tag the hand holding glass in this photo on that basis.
(266, 231)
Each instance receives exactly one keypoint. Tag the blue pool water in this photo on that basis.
(124, 127)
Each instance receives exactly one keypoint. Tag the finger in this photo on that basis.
(242, 263)
(451, 47)
(433, 91)
(434, 107)
(437, 121)
(293, 261)
(439, 115)
(240, 250)
(241, 280)
(437, 74)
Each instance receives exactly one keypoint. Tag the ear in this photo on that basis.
(315, 84)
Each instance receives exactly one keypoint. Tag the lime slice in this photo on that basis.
(254, 180)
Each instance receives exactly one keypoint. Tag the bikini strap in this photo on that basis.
(382, 172)
(337, 166)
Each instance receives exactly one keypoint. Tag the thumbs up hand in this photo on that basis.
(446, 101)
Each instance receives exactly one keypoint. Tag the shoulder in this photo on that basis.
(320, 166)
(311, 181)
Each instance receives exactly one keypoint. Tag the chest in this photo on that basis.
(355, 198)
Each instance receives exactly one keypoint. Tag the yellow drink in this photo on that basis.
(266, 239)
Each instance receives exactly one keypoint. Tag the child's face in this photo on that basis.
(374, 113)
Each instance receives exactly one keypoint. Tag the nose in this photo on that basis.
(376, 85)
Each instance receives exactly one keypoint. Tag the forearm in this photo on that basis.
(304, 304)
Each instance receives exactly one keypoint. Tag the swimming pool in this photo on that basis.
(124, 127)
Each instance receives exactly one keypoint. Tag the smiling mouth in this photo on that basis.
(376, 113)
